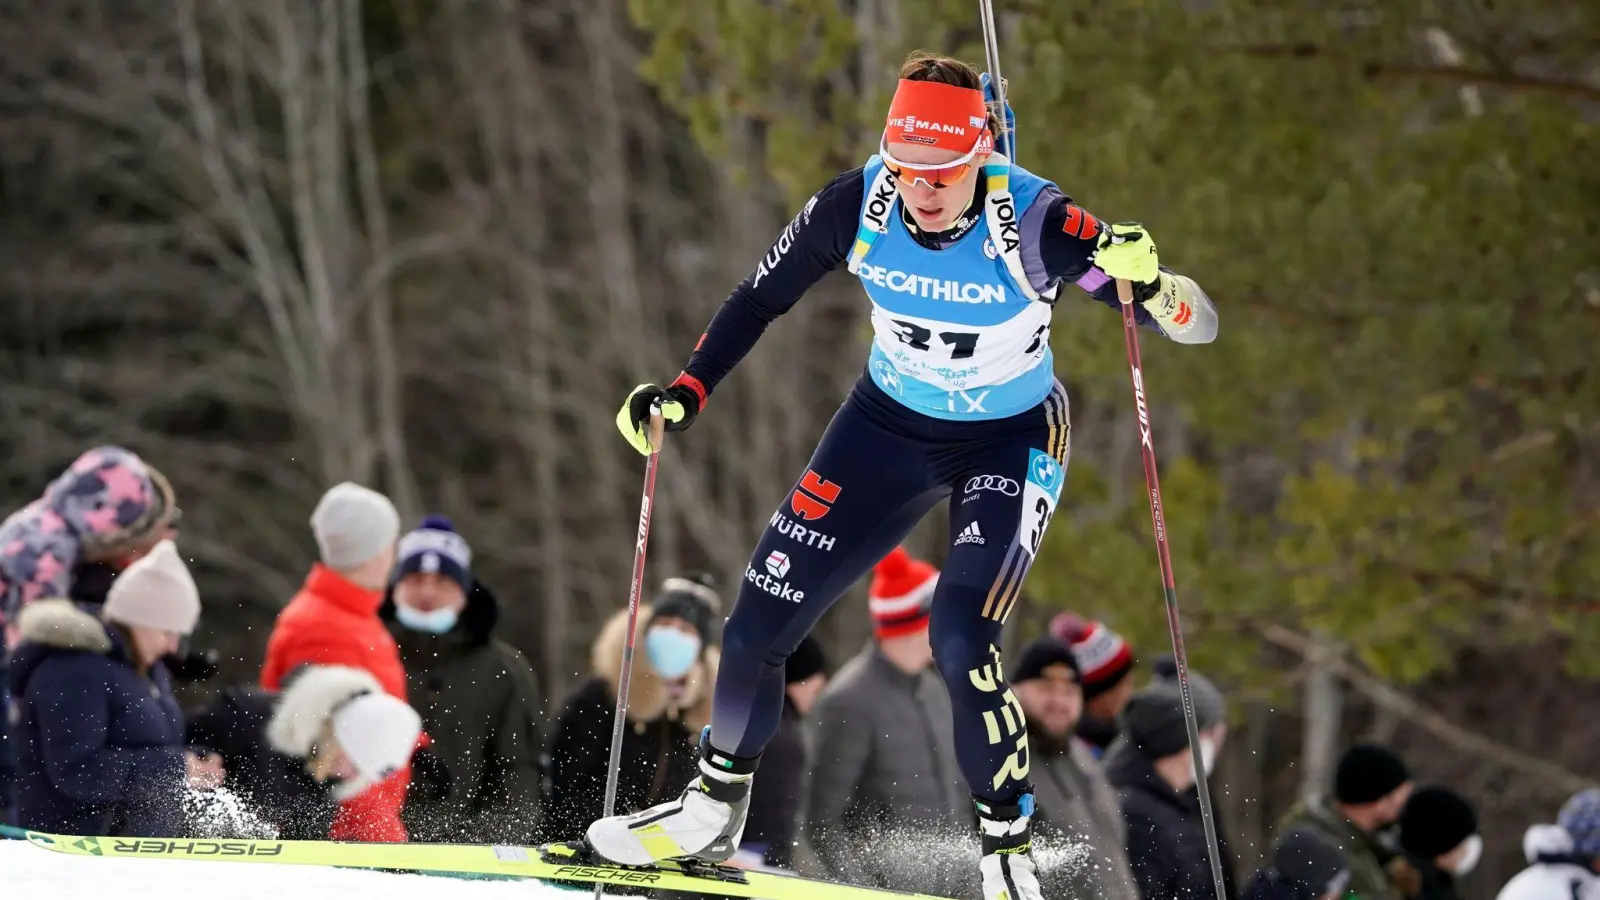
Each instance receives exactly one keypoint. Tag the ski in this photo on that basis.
(569, 863)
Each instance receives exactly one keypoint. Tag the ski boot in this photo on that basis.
(705, 823)
(1007, 865)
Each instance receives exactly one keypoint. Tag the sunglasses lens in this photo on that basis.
(936, 178)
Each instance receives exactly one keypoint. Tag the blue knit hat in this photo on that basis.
(1581, 818)
(435, 548)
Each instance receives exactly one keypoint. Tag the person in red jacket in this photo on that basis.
(334, 621)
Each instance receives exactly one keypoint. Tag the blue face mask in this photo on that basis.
(438, 621)
(672, 652)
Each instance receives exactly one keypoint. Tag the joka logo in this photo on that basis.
(771, 581)
(1005, 213)
(799, 533)
(1000, 483)
(878, 206)
(814, 497)
(970, 535)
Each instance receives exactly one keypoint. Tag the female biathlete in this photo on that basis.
(961, 254)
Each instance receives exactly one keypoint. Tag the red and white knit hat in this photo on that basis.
(901, 594)
(1104, 657)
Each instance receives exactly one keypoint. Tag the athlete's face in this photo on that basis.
(935, 209)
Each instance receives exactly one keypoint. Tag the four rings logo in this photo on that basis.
(1000, 483)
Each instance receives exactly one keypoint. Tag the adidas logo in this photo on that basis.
(970, 535)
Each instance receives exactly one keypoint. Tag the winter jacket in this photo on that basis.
(778, 792)
(1420, 879)
(1368, 859)
(1076, 805)
(8, 766)
(1554, 872)
(659, 755)
(99, 745)
(1230, 884)
(479, 779)
(1166, 836)
(884, 769)
(1269, 884)
(335, 622)
(274, 786)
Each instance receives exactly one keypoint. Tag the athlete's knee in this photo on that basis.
(760, 631)
(964, 644)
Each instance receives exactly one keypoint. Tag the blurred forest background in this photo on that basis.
(429, 245)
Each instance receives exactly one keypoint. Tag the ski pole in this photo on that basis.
(991, 59)
(657, 428)
(1130, 329)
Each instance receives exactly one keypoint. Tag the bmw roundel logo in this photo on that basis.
(988, 248)
(1044, 472)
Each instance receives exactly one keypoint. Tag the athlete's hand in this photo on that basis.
(679, 405)
(1127, 251)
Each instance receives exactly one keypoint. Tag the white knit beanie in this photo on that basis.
(155, 592)
(353, 525)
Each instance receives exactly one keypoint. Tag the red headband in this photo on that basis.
(937, 115)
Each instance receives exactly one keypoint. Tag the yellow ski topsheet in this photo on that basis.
(552, 862)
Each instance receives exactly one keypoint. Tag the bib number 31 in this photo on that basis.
(962, 344)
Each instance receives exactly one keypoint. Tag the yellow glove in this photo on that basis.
(679, 405)
(1127, 251)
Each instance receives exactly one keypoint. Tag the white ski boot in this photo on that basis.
(1007, 865)
(705, 823)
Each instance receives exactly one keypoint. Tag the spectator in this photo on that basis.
(1564, 858)
(885, 764)
(1166, 835)
(1371, 786)
(1074, 801)
(333, 621)
(669, 703)
(1211, 720)
(1105, 664)
(331, 734)
(108, 508)
(478, 781)
(776, 797)
(1439, 842)
(100, 738)
(1303, 867)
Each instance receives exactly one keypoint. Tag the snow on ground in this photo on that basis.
(33, 873)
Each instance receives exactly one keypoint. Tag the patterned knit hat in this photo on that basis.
(901, 594)
(1104, 658)
(435, 548)
(1580, 816)
(106, 506)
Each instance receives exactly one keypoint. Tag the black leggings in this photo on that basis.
(878, 470)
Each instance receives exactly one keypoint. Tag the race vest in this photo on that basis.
(957, 333)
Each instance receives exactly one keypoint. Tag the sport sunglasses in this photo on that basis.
(936, 176)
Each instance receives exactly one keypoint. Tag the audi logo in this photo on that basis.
(1007, 486)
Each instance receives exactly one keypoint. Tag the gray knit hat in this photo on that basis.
(353, 525)
(1153, 721)
(1210, 707)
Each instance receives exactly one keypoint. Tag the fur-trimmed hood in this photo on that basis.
(648, 696)
(53, 627)
(307, 703)
(62, 625)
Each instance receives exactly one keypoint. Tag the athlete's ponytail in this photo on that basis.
(923, 65)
